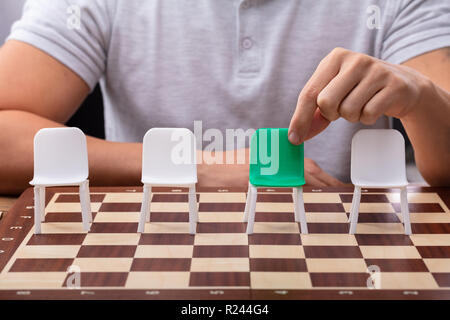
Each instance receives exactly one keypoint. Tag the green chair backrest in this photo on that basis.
(274, 161)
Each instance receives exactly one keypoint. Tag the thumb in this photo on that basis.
(318, 124)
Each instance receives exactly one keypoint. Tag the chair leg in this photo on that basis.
(144, 208)
(196, 206)
(301, 210)
(352, 209)
(85, 202)
(355, 209)
(247, 203)
(193, 214)
(251, 213)
(405, 210)
(88, 196)
(42, 202)
(37, 210)
(294, 197)
(148, 212)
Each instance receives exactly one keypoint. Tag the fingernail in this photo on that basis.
(294, 138)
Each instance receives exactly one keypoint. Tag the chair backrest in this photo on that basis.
(378, 156)
(60, 153)
(273, 156)
(169, 152)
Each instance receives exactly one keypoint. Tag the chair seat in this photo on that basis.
(377, 184)
(50, 181)
(276, 181)
(169, 181)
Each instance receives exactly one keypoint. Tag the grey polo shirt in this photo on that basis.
(228, 63)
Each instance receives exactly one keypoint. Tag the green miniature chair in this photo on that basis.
(275, 162)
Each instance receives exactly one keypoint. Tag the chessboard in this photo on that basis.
(113, 261)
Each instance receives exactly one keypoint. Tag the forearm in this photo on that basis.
(428, 127)
(110, 163)
(219, 173)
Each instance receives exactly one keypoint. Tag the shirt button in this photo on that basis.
(247, 43)
(246, 4)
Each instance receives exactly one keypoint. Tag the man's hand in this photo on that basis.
(316, 177)
(356, 87)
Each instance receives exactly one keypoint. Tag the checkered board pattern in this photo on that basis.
(221, 261)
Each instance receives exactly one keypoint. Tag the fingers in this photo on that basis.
(330, 97)
(312, 181)
(318, 124)
(352, 106)
(322, 179)
(315, 176)
(307, 101)
(348, 85)
(224, 175)
(328, 179)
(376, 107)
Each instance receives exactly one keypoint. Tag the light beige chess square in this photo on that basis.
(224, 239)
(376, 207)
(157, 280)
(167, 227)
(47, 252)
(62, 227)
(276, 252)
(328, 239)
(113, 239)
(164, 251)
(390, 252)
(407, 280)
(438, 265)
(124, 197)
(336, 265)
(275, 227)
(280, 280)
(220, 265)
(430, 239)
(31, 280)
(430, 217)
(414, 197)
(274, 207)
(380, 228)
(103, 264)
(331, 217)
(70, 207)
(321, 197)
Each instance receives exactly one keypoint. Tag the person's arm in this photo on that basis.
(361, 88)
(429, 126)
(36, 92)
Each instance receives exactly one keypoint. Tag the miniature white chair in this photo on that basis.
(60, 159)
(169, 159)
(378, 161)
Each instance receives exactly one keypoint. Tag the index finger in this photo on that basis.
(304, 114)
